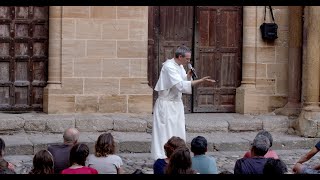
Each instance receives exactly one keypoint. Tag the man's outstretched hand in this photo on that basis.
(207, 78)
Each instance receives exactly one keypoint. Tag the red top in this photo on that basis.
(269, 154)
(82, 170)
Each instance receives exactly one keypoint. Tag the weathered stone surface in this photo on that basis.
(103, 12)
(133, 142)
(308, 123)
(244, 123)
(93, 123)
(129, 122)
(17, 144)
(140, 103)
(113, 104)
(59, 123)
(35, 123)
(41, 141)
(206, 125)
(275, 123)
(86, 104)
(10, 122)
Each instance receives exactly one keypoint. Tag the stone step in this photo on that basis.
(195, 122)
(140, 142)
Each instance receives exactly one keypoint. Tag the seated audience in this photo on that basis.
(275, 166)
(173, 143)
(306, 157)
(254, 164)
(180, 162)
(42, 163)
(78, 156)
(61, 152)
(104, 159)
(270, 153)
(200, 161)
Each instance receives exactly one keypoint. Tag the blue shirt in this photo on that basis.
(204, 164)
(159, 166)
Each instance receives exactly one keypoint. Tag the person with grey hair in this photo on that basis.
(61, 152)
(254, 164)
(271, 153)
(168, 112)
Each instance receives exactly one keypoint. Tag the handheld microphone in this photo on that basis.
(194, 74)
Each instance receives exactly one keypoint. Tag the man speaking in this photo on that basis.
(168, 112)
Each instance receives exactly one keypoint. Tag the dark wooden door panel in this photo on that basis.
(169, 27)
(23, 57)
(218, 54)
(214, 33)
(175, 29)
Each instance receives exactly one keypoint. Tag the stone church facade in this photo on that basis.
(98, 62)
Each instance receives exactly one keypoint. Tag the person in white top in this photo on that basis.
(168, 112)
(104, 160)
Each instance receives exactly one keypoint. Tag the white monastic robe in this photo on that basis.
(168, 112)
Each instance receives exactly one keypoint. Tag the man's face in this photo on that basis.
(185, 60)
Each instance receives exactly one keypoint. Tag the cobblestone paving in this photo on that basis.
(225, 160)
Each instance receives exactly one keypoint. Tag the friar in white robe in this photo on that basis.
(168, 112)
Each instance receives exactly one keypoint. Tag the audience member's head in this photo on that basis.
(267, 134)
(260, 145)
(105, 145)
(42, 163)
(180, 162)
(71, 136)
(275, 166)
(2, 147)
(173, 143)
(199, 145)
(79, 154)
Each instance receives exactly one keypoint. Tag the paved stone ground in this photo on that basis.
(225, 160)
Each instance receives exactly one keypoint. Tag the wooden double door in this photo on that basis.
(23, 57)
(214, 33)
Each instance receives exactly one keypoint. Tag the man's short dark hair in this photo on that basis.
(79, 154)
(274, 166)
(260, 145)
(199, 145)
(182, 50)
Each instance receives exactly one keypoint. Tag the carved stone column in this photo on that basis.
(310, 114)
(293, 106)
(54, 61)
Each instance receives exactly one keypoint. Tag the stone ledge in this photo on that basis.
(138, 142)
(127, 122)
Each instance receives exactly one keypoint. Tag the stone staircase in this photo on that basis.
(27, 133)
